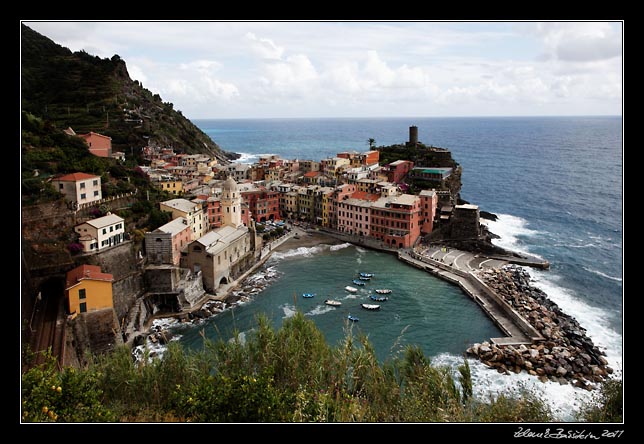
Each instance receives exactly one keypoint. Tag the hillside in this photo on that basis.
(87, 93)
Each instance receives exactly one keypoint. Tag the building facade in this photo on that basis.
(164, 245)
(191, 211)
(428, 204)
(88, 289)
(101, 233)
(98, 144)
(79, 188)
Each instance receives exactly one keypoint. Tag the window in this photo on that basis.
(95, 183)
(82, 294)
(95, 193)
(60, 186)
(82, 185)
(111, 229)
(104, 231)
(83, 196)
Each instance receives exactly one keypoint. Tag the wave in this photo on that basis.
(604, 275)
(563, 400)
(340, 246)
(300, 251)
(593, 319)
(318, 310)
(510, 228)
(288, 310)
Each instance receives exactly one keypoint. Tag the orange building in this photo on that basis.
(99, 145)
(428, 204)
(88, 289)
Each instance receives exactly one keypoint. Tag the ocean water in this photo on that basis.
(556, 184)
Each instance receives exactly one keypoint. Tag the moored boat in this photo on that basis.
(383, 291)
(367, 275)
(308, 295)
(364, 278)
(352, 318)
(358, 282)
(373, 297)
(351, 289)
(371, 306)
(332, 302)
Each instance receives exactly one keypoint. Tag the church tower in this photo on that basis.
(231, 204)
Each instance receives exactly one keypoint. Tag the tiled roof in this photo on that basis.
(75, 177)
(86, 272)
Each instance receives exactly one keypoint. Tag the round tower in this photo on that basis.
(413, 135)
(231, 204)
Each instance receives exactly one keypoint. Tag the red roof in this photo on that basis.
(92, 133)
(75, 177)
(87, 272)
(312, 174)
(363, 195)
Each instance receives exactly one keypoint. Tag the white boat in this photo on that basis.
(351, 289)
(383, 291)
(371, 306)
(332, 302)
(366, 275)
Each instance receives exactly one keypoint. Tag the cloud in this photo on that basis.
(264, 47)
(580, 42)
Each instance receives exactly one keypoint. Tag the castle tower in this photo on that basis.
(413, 135)
(231, 204)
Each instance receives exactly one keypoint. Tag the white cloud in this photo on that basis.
(580, 42)
(264, 47)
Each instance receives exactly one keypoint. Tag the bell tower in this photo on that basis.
(231, 204)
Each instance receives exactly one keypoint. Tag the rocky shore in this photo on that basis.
(566, 355)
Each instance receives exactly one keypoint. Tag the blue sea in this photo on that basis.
(556, 184)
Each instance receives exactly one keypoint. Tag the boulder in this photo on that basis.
(561, 371)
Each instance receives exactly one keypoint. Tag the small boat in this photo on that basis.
(308, 295)
(358, 282)
(364, 278)
(351, 289)
(371, 306)
(383, 291)
(332, 302)
(373, 297)
(366, 275)
(352, 318)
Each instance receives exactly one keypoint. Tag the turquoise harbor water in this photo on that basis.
(556, 184)
(421, 309)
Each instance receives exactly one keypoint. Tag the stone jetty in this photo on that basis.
(565, 355)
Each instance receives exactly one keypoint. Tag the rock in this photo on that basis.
(561, 371)
(534, 354)
(138, 340)
(603, 360)
(543, 378)
(609, 370)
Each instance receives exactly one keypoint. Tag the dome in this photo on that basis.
(230, 184)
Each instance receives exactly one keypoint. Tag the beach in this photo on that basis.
(306, 239)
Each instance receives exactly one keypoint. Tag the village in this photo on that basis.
(222, 215)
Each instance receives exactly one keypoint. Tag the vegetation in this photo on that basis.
(288, 375)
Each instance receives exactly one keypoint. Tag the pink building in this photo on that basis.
(396, 220)
(396, 171)
(341, 193)
(99, 145)
(428, 204)
(354, 213)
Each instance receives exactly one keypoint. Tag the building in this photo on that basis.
(87, 289)
(428, 204)
(98, 144)
(224, 254)
(191, 211)
(396, 171)
(465, 222)
(430, 174)
(263, 204)
(354, 213)
(174, 186)
(164, 245)
(395, 220)
(79, 188)
(101, 233)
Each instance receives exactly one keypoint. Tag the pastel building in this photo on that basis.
(164, 245)
(81, 188)
(354, 213)
(396, 171)
(98, 144)
(396, 220)
(428, 204)
(191, 211)
(101, 233)
(87, 289)
(263, 204)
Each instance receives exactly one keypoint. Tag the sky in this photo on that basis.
(313, 69)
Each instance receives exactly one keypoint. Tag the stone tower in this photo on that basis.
(231, 204)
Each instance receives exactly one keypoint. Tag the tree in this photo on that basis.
(372, 142)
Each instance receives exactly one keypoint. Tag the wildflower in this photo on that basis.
(45, 409)
(59, 389)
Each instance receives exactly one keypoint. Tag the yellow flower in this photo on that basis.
(59, 389)
(45, 409)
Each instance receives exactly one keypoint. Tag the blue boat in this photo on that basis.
(373, 297)
(366, 275)
(308, 295)
(358, 282)
(364, 278)
(352, 318)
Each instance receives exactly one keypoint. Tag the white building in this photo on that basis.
(100, 233)
(81, 188)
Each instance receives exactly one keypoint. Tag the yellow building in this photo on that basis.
(88, 289)
(171, 186)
